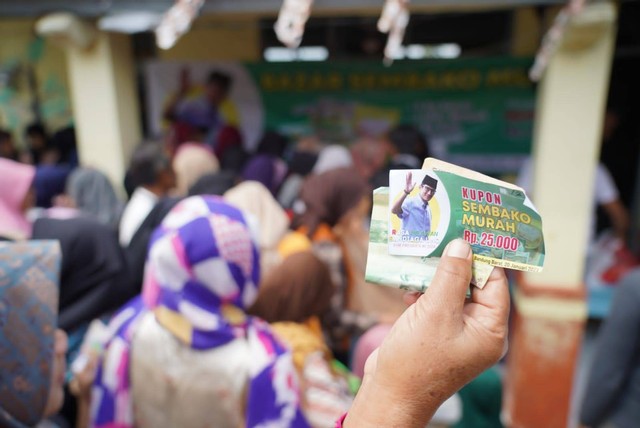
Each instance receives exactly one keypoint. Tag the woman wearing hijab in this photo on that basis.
(94, 277)
(92, 193)
(300, 166)
(32, 351)
(185, 353)
(449, 413)
(293, 297)
(49, 182)
(254, 199)
(267, 170)
(367, 343)
(16, 197)
(333, 157)
(328, 201)
(267, 166)
(192, 161)
(213, 184)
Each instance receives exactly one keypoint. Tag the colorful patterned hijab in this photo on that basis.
(202, 272)
(29, 273)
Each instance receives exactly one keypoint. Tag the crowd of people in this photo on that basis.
(228, 287)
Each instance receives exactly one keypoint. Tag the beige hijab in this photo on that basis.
(364, 297)
(192, 161)
(253, 198)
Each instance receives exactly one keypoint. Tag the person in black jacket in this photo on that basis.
(95, 276)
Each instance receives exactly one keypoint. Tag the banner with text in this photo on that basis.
(476, 112)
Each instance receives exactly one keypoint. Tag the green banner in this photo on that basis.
(476, 112)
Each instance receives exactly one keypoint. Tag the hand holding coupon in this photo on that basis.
(423, 210)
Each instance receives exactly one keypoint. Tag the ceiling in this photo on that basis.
(93, 8)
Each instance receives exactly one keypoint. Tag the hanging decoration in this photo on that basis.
(394, 21)
(176, 22)
(293, 16)
(553, 38)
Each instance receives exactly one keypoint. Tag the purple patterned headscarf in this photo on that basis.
(202, 272)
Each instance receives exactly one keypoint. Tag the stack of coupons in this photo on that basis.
(422, 210)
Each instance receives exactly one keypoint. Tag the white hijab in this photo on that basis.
(333, 157)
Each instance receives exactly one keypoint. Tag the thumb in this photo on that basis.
(450, 284)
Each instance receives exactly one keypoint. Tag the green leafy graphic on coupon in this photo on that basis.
(496, 218)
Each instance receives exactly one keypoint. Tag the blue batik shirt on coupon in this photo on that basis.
(416, 216)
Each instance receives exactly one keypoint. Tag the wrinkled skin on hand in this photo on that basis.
(440, 343)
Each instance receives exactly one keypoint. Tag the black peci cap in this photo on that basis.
(430, 181)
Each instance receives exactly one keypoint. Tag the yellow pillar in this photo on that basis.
(569, 114)
(105, 103)
(550, 307)
(526, 34)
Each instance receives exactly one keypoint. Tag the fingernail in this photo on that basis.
(458, 248)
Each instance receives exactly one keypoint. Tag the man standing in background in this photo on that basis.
(202, 114)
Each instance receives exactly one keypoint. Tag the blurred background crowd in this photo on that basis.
(219, 185)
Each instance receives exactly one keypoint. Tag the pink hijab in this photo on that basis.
(368, 343)
(15, 182)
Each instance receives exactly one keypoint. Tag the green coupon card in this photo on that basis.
(423, 210)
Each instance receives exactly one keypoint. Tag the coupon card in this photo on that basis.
(423, 210)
